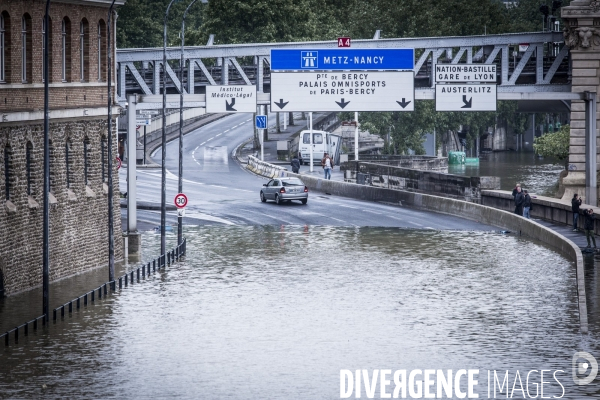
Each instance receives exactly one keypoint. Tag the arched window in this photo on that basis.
(66, 49)
(1, 284)
(7, 170)
(68, 161)
(103, 150)
(86, 160)
(84, 50)
(26, 48)
(2, 48)
(101, 50)
(49, 47)
(28, 166)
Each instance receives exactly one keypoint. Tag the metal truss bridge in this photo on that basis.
(540, 72)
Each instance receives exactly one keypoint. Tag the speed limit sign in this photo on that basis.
(181, 200)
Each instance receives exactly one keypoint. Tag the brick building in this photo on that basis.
(78, 136)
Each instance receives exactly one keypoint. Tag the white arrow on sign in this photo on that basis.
(343, 91)
(456, 97)
(231, 99)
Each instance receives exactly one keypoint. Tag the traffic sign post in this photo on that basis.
(181, 200)
(230, 99)
(343, 91)
(465, 97)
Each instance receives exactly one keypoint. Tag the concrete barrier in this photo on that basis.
(472, 211)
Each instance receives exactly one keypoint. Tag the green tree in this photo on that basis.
(554, 144)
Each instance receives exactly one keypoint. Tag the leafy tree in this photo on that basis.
(554, 144)
(140, 22)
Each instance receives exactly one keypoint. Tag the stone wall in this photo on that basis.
(78, 212)
(430, 182)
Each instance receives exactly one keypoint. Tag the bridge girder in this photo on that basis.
(536, 70)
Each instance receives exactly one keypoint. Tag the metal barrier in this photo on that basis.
(23, 329)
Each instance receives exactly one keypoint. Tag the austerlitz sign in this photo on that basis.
(465, 87)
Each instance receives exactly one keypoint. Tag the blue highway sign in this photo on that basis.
(342, 59)
(261, 122)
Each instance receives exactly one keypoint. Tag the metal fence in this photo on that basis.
(129, 278)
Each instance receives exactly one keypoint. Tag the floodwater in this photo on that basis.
(277, 312)
(538, 175)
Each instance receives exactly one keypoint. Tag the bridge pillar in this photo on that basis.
(582, 35)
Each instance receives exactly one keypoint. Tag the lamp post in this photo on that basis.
(111, 233)
(46, 218)
(180, 183)
(163, 194)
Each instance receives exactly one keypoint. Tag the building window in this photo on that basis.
(26, 48)
(28, 156)
(7, 170)
(2, 49)
(49, 48)
(101, 51)
(68, 162)
(103, 150)
(66, 50)
(86, 160)
(84, 50)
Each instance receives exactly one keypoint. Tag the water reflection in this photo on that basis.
(538, 175)
(276, 312)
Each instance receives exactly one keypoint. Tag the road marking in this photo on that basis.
(201, 144)
(207, 140)
(223, 187)
(373, 212)
(207, 217)
(354, 208)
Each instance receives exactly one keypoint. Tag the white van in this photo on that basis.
(322, 142)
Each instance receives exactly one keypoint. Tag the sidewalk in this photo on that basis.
(270, 147)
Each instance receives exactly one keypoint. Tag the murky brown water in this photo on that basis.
(265, 312)
(538, 175)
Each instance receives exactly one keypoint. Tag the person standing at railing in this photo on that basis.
(575, 203)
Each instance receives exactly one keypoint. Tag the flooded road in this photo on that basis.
(276, 313)
(538, 175)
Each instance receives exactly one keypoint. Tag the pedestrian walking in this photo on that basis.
(588, 226)
(327, 164)
(527, 205)
(519, 198)
(295, 165)
(575, 203)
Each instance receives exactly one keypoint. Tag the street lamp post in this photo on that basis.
(163, 195)
(180, 183)
(111, 233)
(46, 218)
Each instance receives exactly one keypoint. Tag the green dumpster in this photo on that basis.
(456, 157)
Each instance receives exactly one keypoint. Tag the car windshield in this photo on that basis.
(292, 182)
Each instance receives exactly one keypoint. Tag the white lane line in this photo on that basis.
(354, 208)
(226, 131)
(201, 144)
(222, 187)
(210, 139)
(373, 212)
